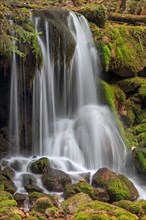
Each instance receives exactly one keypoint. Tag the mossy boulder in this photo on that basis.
(8, 203)
(4, 195)
(132, 84)
(138, 207)
(42, 204)
(97, 15)
(20, 198)
(139, 157)
(84, 187)
(71, 205)
(52, 212)
(39, 166)
(103, 211)
(116, 42)
(8, 172)
(117, 185)
(8, 185)
(36, 195)
(55, 180)
(32, 187)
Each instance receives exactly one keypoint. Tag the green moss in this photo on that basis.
(72, 189)
(36, 195)
(97, 15)
(106, 53)
(5, 196)
(73, 203)
(139, 156)
(39, 166)
(119, 95)
(131, 138)
(8, 203)
(131, 84)
(107, 95)
(142, 91)
(51, 211)
(42, 204)
(117, 49)
(117, 190)
(105, 210)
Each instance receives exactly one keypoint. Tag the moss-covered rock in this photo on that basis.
(8, 203)
(20, 198)
(55, 180)
(104, 211)
(33, 187)
(116, 45)
(107, 95)
(117, 185)
(95, 194)
(131, 84)
(8, 185)
(139, 157)
(138, 207)
(4, 195)
(8, 172)
(39, 166)
(72, 204)
(42, 204)
(97, 15)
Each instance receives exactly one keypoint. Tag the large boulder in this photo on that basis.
(117, 186)
(84, 187)
(55, 180)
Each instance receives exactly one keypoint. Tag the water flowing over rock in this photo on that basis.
(70, 128)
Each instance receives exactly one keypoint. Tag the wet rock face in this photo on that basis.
(60, 36)
(55, 180)
(117, 186)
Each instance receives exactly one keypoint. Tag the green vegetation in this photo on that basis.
(116, 42)
(72, 189)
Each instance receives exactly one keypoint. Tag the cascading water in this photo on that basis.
(68, 125)
(14, 111)
(85, 137)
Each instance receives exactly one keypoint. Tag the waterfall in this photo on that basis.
(14, 110)
(70, 127)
